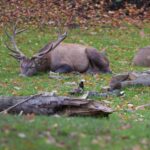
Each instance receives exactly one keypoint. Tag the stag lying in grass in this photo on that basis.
(61, 58)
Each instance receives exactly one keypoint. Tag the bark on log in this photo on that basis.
(50, 105)
(105, 94)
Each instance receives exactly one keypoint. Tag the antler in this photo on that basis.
(16, 53)
(50, 46)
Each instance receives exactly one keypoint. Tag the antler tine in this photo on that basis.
(49, 47)
(15, 56)
(15, 52)
(10, 48)
(19, 31)
(40, 54)
(14, 27)
(59, 26)
(7, 33)
(59, 40)
(14, 42)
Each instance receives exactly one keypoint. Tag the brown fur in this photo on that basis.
(78, 57)
(142, 58)
(70, 54)
(98, 61)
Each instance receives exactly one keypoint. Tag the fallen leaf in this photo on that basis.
(30, 117)
(137, 147)
(71, 83)
(125, 127)
(142, 34)
(17, 88)
(22, 135)
(131, 106)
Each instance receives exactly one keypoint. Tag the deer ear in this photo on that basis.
(103, 52)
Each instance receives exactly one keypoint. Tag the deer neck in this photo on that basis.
(42, 64)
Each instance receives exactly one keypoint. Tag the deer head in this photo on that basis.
(30, 66)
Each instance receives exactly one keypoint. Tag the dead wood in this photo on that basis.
(142, 107)
(46, 104)
(130, 79)
(105, 94)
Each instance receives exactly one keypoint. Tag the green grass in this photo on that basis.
(124, 130)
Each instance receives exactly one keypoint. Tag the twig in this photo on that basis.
(9, 108)
(142, 106)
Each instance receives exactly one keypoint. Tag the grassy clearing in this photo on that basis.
(123, 130)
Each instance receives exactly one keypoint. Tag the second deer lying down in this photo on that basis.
(142, 58)
(61, 58)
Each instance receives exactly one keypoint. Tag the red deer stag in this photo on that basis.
(61, 58)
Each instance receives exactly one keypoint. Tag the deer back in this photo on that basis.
(73, 55)
(142, 57)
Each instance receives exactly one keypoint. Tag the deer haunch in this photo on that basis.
(78, 58)
(142, 58)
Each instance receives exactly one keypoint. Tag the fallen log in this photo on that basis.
(46, 104)
(130, 79)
